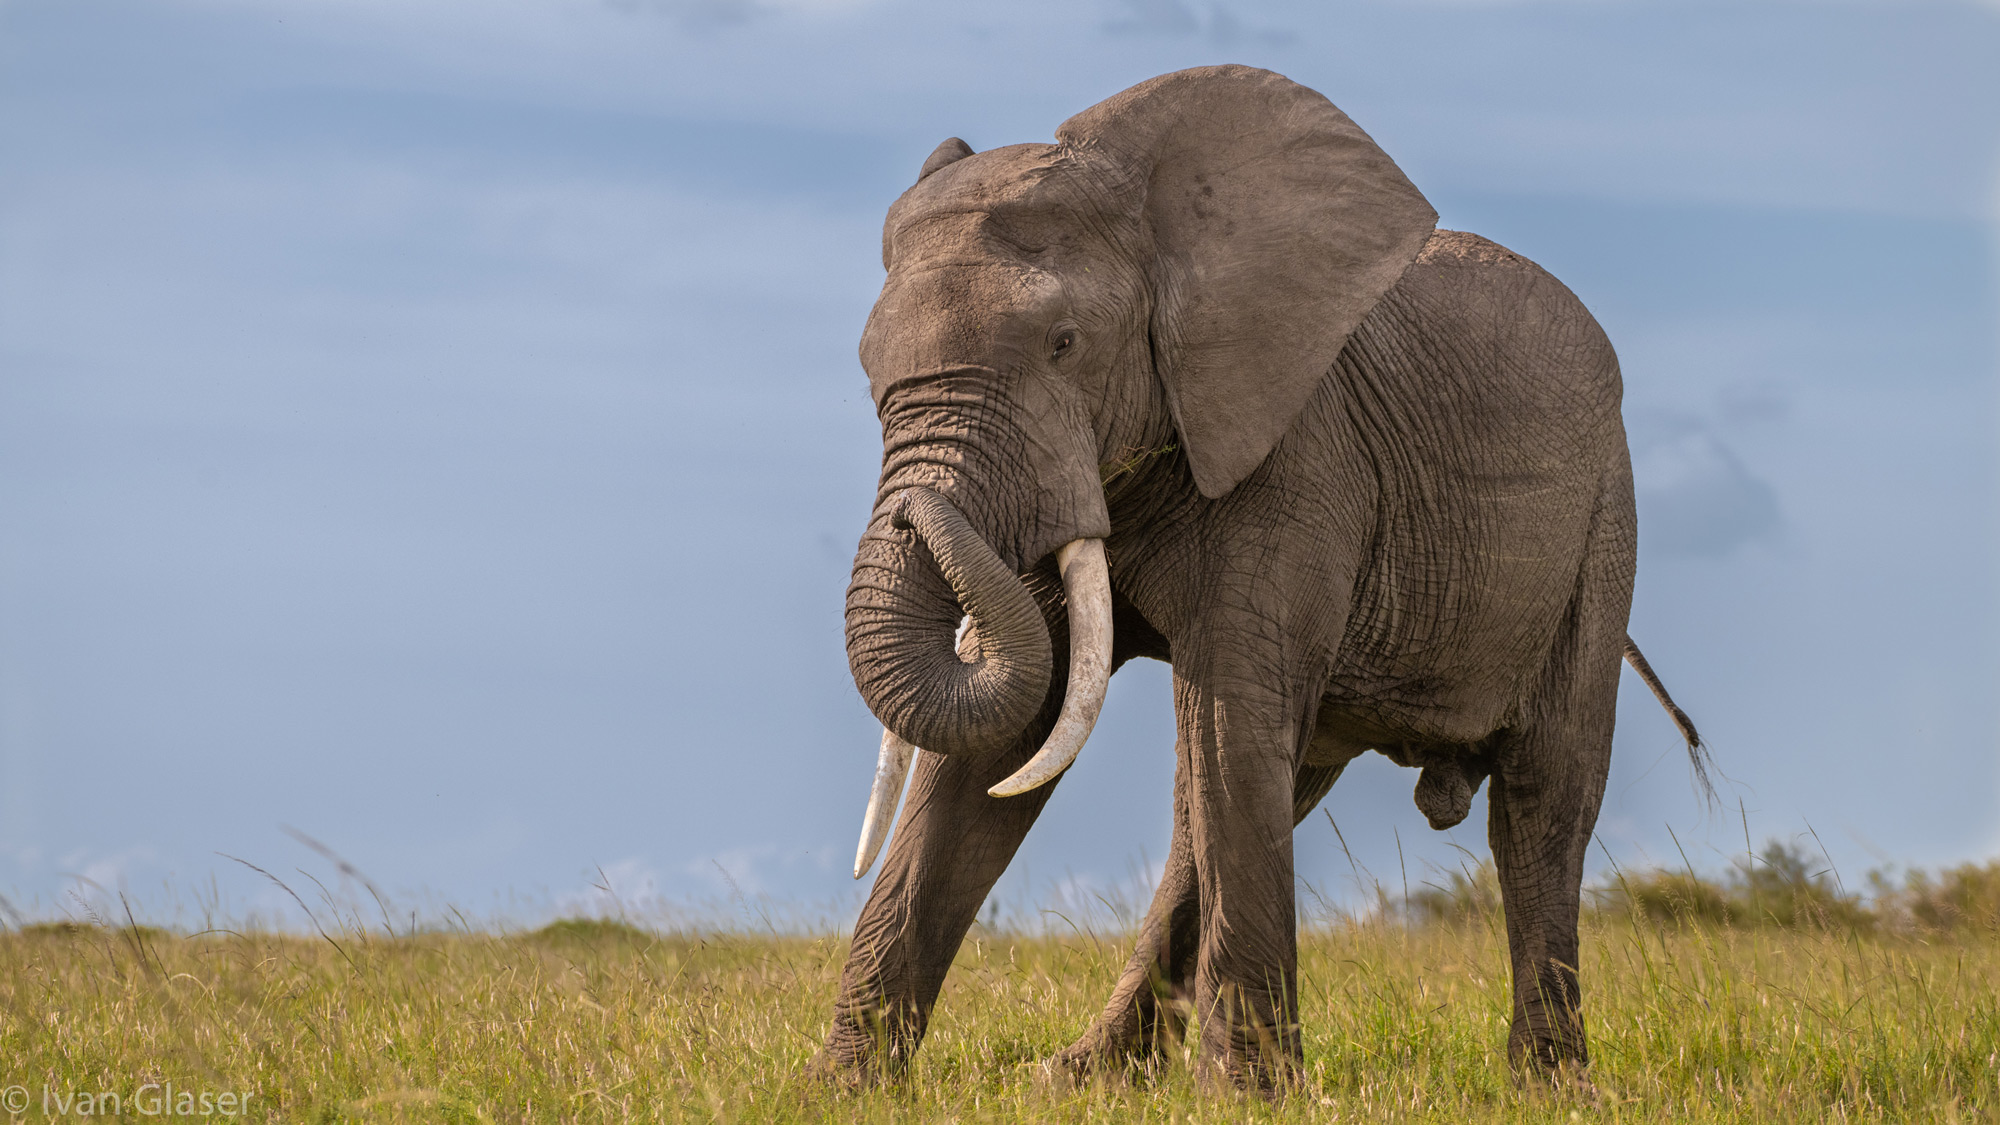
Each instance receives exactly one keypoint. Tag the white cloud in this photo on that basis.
(628, 888)
(101, 884)
(1696, 497)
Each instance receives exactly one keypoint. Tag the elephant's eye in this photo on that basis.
(1061, 344)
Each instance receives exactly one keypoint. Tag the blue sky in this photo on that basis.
(435, 426)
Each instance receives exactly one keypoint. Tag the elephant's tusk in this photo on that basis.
(891, 769)
(1087, 586)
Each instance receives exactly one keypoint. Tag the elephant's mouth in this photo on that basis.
(921, 569)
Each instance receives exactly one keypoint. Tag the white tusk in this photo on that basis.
(891, 769)
(1087, 586)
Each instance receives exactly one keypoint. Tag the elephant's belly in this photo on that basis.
(1416, 707)
(1443, 649)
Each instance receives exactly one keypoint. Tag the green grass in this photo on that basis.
(602, 1021)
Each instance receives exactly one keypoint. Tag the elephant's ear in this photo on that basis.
(1278, 224)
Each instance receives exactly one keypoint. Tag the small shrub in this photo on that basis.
(1963, 899)
(58, 930)
(1778, 887)
(1781, 889)
(86, 931)
(1465, 897)
(593, 932)
(1670, 896)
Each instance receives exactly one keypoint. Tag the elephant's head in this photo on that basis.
(1180, 268)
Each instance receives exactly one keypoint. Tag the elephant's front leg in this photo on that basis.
(1238, 742)
(950, 847)
(1148, 1008)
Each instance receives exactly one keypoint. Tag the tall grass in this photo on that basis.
(1696, 1013)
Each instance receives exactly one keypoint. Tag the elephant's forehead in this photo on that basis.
(952, 314)
(994, 178)
(980, 289)
(995, 203)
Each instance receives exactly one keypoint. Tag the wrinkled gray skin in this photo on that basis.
(1363, 483)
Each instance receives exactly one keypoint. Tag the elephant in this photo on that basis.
(1202, 381)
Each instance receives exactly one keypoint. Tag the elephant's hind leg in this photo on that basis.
(1548, 783)
(1148, 1009)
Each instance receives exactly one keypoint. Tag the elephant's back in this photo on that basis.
(1487, 311)
(1488, 400)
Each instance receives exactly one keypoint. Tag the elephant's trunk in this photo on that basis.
(918, 572)
(878, 627)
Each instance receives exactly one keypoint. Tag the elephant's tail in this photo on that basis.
(1698, 754)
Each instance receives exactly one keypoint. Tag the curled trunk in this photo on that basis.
(920, 570)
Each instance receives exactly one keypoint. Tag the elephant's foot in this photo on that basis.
(1249, 1058)
(1084, 1060)
(862, 1053)
(1549, 1045)
(1566, 1080)
(1545, 1058)
(830, 1070)
(1266, 1077)
(1130, 1044)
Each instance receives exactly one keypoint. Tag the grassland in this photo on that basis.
(1780, 1016)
